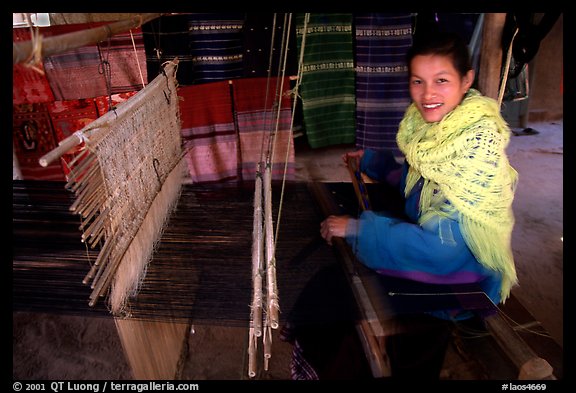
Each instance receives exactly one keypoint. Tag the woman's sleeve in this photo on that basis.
(384, 243)
(381, 166)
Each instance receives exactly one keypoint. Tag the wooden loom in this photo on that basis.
(96, 204)
(126, 180)
(195, 248)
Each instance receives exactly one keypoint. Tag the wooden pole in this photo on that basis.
(491, 54)
(24, 51)
(530, 365)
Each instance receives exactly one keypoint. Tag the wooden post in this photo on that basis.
(23, 51)
(491, 54)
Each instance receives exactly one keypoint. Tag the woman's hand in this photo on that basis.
(333, 226)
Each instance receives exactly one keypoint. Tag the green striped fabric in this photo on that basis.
(328, 85)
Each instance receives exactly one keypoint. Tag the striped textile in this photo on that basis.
(127, 61)
(258, 119)
(79, 73)
(327, 87)
(33, 137)
(208, 132)
(382, 95)
(28, 85)
(216, 46)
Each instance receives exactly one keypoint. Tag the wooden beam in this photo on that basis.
(371, 328)
(24, 51)
(530, 366)
(491, 54)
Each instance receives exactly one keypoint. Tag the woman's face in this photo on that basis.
(436, 87)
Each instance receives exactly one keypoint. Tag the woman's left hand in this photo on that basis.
(333, 226)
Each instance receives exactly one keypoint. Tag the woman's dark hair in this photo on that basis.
(442, 43)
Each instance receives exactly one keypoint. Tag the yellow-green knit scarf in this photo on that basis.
(462, 160)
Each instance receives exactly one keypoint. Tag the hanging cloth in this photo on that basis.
(327, 87)
(79, 73)
(215, 42)
(382, 95)
(208, 132)
(256, 121)
(28, 85)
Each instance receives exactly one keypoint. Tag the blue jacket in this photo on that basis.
(433, 253)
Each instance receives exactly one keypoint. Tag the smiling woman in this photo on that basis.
(458, 187)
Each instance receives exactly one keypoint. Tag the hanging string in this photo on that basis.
(266, 230)
(269, 76)
(295, 94)
(279, 89)
(136, 55)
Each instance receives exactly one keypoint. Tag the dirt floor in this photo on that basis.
(68, 347)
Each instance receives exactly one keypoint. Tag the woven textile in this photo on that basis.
(28, 85)
(80, 73)
(33, 137)
(262, 130)
(226, 129)
(382, 95)
(68, 117)
(208, 132)
(103, 103)
(131, 177)
(327, 87)
(216, 46)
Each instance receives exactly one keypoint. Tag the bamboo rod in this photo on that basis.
(272, 298)
(530, 365)
(252, 351)
(102, 256)
(85, 192)
(23, 51)
(65, 145)
(79, 172)
(257, 254)
(95, 227)
(267, 344)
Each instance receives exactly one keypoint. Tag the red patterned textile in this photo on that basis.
(28, 85)
(33, 137)
(258, 120)
(68, 117)
(208, 132)
(103, 105)
(219, 147)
